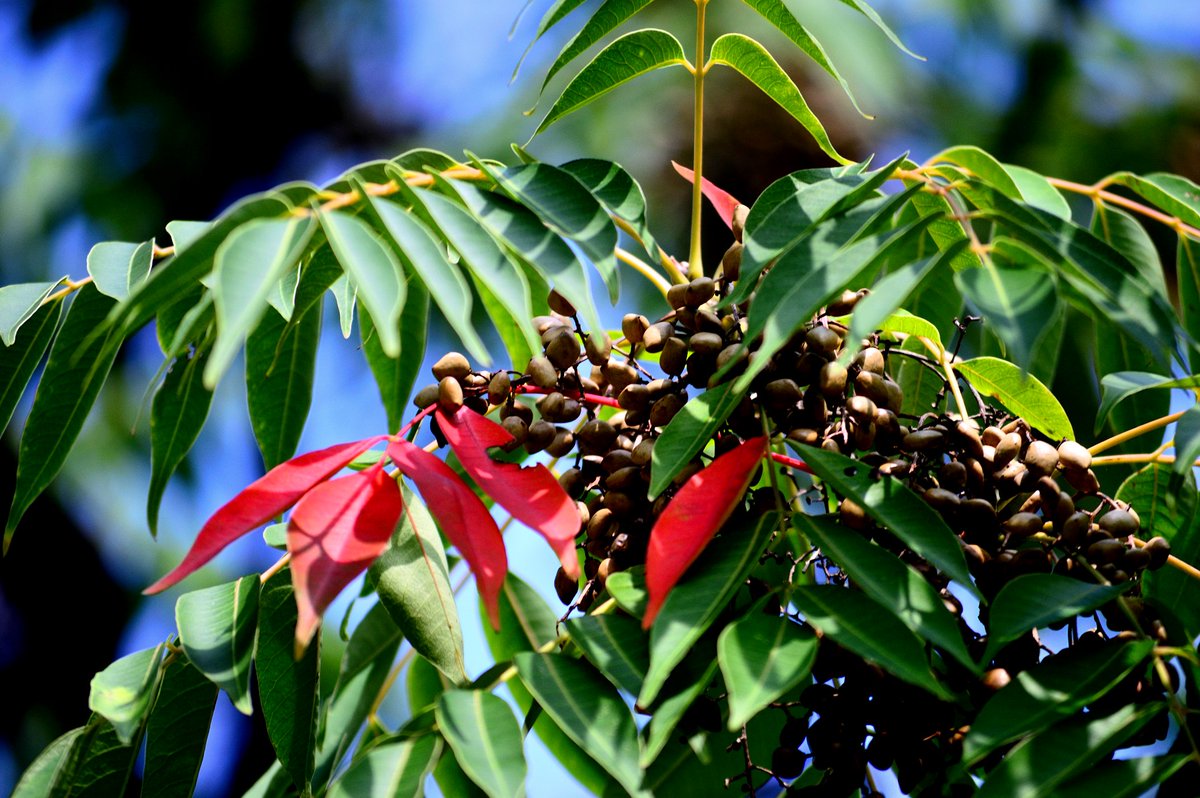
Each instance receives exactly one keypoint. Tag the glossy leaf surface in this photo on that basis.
(616, 645)
(20, 360)
(1169, 511)
(1021, 393)
(688, 433)
(374, 270)
(394, 769)
(177, 415)
(177, 732)
(1030, 601)
(617, 191)
(607, 17)
(217, 627)
(117, 267)
(18, 303)
(1122, 385)
(281, 360)
(122, 692)
(762, 657)
(486, 740)
(395, 376)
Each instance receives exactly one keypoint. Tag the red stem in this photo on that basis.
(415, 420)
(791, 462)
(590, 398)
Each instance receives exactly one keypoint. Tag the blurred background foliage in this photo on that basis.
(116, 117)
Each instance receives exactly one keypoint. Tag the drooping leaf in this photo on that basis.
(281, 364)
(1118, 386)
(392, 769)
(97, 765)
(697, 512)
(75, 371)
(1127, 236)
(688, 433)
(123, 692)
(588, 709)
(872, 311)
(395, 376)
(753, 62)
(375, 271)
(1021, 393)
(981, 165)
(628, 588)
(553, 15)
(461, 516)
(1039, 765)
(413, 582)
(1030, 601)
(859, 623)
(335, 531)
(616, 645)
(217, 627)
(39, 779)
(19, 360)
(264, 499)
(722, 201)
(894, 507)
(697, 601)
(1056, 688)
(18, 303)
(184, 233)
(1176, 195)
(282, 296)
(486, 740)
(287, 686)
(530, 494)
(1187, 273)
(1187, 443)
(248, 265)
(607, 17)
(913, 326)
(442, 280)
(618, 192)
(345, 294)
(177, 732)
(762, 657)
(117, 267)
(627, 57)
(1121, 778)
(1038, 192)
(177, 415)
(885, 578)
(869, 13)
(686, 684)
(180, 326)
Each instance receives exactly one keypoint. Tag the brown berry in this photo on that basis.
(451, 364)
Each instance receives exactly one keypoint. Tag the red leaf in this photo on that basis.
(531, 494)
(461, 516)
(722, 200)
(335, 532)
(264, 499)
(702, 505)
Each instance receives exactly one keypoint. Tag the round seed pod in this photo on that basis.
(572, 482)
(499, 388)
(541, 372)
(869, 359)
(619, 376)
(1159, 550)
(735, 354)
(665, 409)
(862, 434)
(597, 437)
(707, 344)
(562, 349)
(822, 340)
(634, 397)
(621, 504)
(1135, 560)
(563, 443)
(699, 291)
(600, 524)
(1106, 551)
(1073, 456)
(874, 387)
(967, 433)
(616, 460)
(805, 435)
(643, 452)
(707, 321)
(700, 369)
(1064, 508)
(1040, 458)
(846, 302)
(540, 435)
(942, 500)
(565, 587)
(607, 567)
(476, 381)
(598, 348)
(570, 411)
(551, 405)
(995, 678)
(978, 513)
(852, 515)
(559, 304)
(738, 225)
(895, 395)
(1119, 523)
(923, 440)
(633, 327)
(427, 396)
(518, 409)
(450, 394)
(832, 379)
(451, 364)
(782, 393)
(887, 426)
(517, 428)
(953, 476)
(861, 409)
(676, 295)
(1083, 481)
(544, 324)
(624, 479)
(1007, 449)
(991, 436)
(815, 409)
(476, 403)
(657, 335)
(1023, 525)
(731, 262)
(674, 356)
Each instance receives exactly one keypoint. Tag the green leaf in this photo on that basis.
(98, 764)
(1122, 778)
(40, 778)
(618, 192)
(1039, 765)
(118, 267)
(607, 17)
(392, 769)
(686, 684)
(762, 657)
(688, 433)
(870, 14)
(18, 303)
(184, 233)
(486, 740)
(922, 385)
(694, 604)
(177, 415)
(1031, 601)
(216, 629)
(442, 280)
(552, 17)
(413, 582)
(1017, 296)
(627, 57)
(588, 709)
(569, 209)
(78, 365)
(375, 272)
(502, 286)
(1038, 192)
(1187, 273)
(615, 644)
(177, 732)
(904, 322)
(885, 578)
(753, 62)
(248, 265)
(533, 243)
(629, 590)
(283, 296)
(1121, 385)
(1176, 195)
(894, 507)
(287, 687)
(875, 309)
(19, 360)
(395, 376)
(1054, 689)
(181, 325)
(857, 622)
(775, 12)
(1128, 237)
(1021, 393)
(1187, 443)
(981, 165)
(122, 692)
(281, 363)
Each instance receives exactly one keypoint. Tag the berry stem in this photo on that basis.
(791, 462)
(1129, 434)
(591, 398)
(695, 264)
(644, 269)
(1174, 561)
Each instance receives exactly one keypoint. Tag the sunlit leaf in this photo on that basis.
(375, 271)
(617, 191)
(1118, 386)
(216, 629)
(1021, 393)
(122, 693)
(1187, 271)
(177, 415)
(688, 433)
(392, 769)
(628, 589)
(1037, 191)
(1030, 601)
(117, 267)
(982, 165)
(1132, 240)
(615, 644)
(281, 363)
(39, 779)
(18, 303)
(693, 516)
(97, 764)
(395, 376)
(1122, 778)
(607, 17)
(870, 14)
(762, 657)
(1176, 195)
(875, 309)
(486, 740)
(19, 360)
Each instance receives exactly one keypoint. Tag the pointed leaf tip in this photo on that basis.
(530, 494)
(462, 517)
(702, 505)
(337, 529)
(264, 499)
(724, 202)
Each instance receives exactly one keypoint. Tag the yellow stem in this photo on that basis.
(1097, 193)
(1172, 560)
(644, 269)
(70, 287)
(695, 264)
(279, 565)
(1129, 434)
